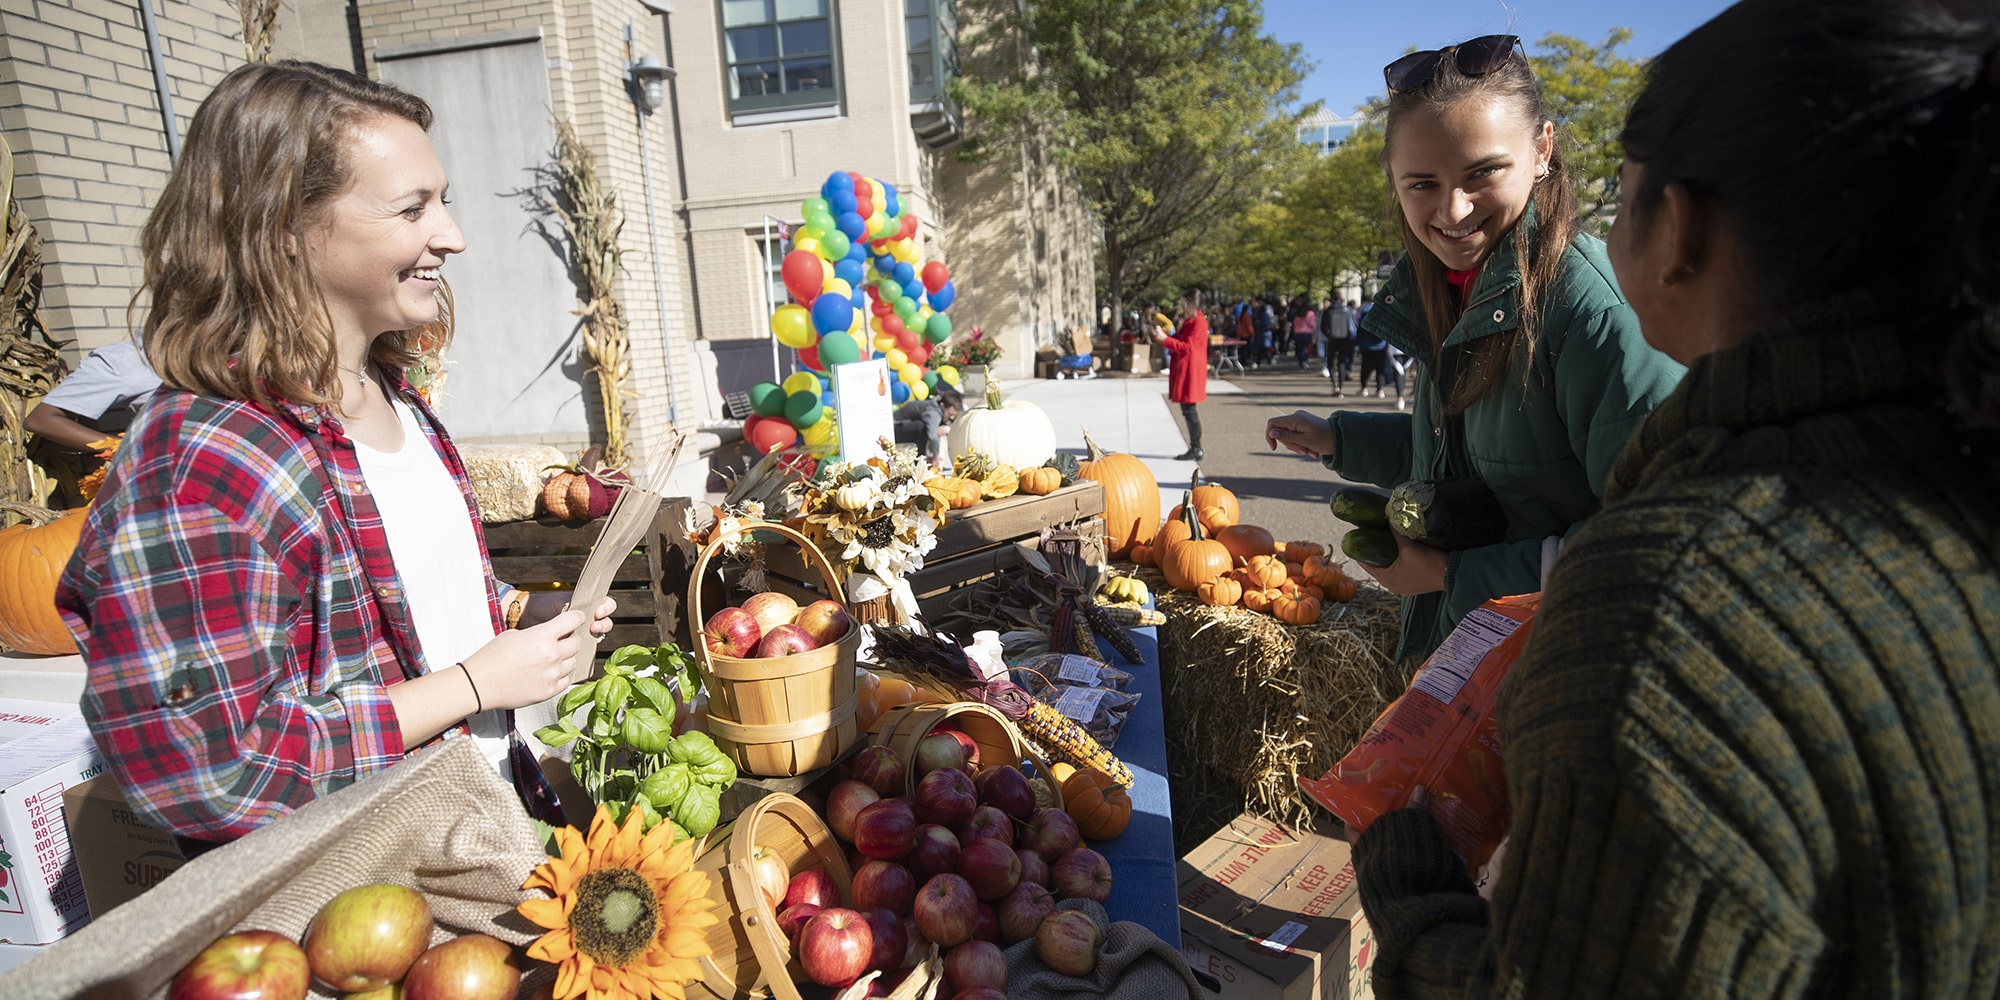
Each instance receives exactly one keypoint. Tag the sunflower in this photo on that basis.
(628, 914)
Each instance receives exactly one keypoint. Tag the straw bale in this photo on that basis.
(507, 478)
(1254, 704)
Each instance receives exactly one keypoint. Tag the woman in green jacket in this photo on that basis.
(1753, 746)
(1533, 369)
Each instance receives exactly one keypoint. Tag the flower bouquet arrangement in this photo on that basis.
(975, 348)
(875, 522)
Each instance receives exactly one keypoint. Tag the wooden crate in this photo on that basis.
(547, 554)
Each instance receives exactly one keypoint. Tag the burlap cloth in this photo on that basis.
(1134, 964)
(442, 822)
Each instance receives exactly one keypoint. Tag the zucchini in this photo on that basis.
(1450, 514)
(1374, 546)
(1360, 506)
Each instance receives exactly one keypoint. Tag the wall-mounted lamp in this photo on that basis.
(648, 78)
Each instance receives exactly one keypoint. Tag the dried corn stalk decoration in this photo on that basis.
(260, 28)
(591, 221)
(29, 364)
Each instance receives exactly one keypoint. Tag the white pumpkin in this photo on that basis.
(1017, 433)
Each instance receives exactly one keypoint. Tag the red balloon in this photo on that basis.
(769, 434)
(860, 184)
(804, 273)
(892, 325)
(809, 357)
(909, 228)
(935, 275)
(920, 353)
(879, 307)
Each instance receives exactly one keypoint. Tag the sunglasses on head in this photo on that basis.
(1477, 57)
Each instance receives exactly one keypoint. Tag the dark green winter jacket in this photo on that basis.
(1543, 440)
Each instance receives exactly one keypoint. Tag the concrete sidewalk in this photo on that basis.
(1123, 413)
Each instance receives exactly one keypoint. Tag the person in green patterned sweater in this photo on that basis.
(1753, 748)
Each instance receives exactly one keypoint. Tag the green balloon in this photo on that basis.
(891, 292)
(938, 329)
(833, 246)
(815, 206)
(906, 308)
(803, 408)
(835, 349)
(767, 399)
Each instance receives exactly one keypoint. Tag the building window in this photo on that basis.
(779, 54)
(770, 259)
(931, 28)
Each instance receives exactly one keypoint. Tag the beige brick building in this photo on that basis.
(764, 99)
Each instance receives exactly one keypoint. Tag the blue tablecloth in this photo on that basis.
(1142, 861)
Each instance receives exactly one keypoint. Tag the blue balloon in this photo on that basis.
(913, 289)
(850, 271)
(857, 251)
(943, 297)
(832, 314)
(836, 181)
(826, 398)
(891, 204)
(898, 392)
(842, 202)
(885, 264)
(860, 298)
(904, 273)
(851, 224)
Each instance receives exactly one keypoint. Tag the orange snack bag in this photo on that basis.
(1441, 734)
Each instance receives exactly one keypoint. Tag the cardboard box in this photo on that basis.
(45, 749)
(1078, 341)
(1270, 912)
(119, 854)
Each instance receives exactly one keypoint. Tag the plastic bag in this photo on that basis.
(1069, 668)
(1441, 734)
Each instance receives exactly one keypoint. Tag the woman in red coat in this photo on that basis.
(1187, 372)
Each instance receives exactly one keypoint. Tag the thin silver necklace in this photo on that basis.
(360, 374)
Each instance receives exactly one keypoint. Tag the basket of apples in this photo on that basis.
(780, 677)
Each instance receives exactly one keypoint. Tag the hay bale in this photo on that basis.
(507, 478)
(1254, 704)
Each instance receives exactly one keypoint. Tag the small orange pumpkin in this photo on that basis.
(1258, 600)
(1196, 561)
(32, 557)
(1098, 804)
(1214, 495)
(1296, 611)
(1040, 481)
(1263, 572)
(1223, 591)
(1143, 554)
(1245, 540)
(1342, 589)
(1298, 551)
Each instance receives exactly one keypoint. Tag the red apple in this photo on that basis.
(834, 947)
(945, 797)
(731, 632)
(844, 804)
(816, 886)
(470, 967)
(965, 743)
(1082, 874)
(1033, 868)
(825, 620)
(367, 936)
(771, 874)
(1006, 789)
(1023, 910)
(246, 965)
(884, 885)
(886, 830)
(975, 963)
(939, 750)
(1051, 833)
(881, 768)
(946, 911)
(986, 823)
(991, 867)
(771, 609)
(1068, 941)
(793, 918)
(987, 926)
(936, 852)
(783, 640)
(886, 930)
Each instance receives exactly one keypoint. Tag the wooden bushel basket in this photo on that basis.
(748, 954)
(777, 716)
(902, 727)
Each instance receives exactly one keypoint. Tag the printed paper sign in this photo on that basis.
(867, 414)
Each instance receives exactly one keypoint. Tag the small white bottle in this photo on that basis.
(985, 653)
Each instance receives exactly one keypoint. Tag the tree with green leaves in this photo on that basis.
(1171, 114)
(1589, 90)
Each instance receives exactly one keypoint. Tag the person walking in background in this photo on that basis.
(1374, 352)
(1533, 373)
(1749, 747)
(1336, 326)
(1304, 323)
(1263, 323)
(1187, 372)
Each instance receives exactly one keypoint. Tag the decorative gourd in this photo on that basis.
(1245, 540)
(1223, 591)
(32, 556)
(1191, 563)
(1000, 482)
(583, 490)
(1263, 572)
(1131, 497)
(1098, 804)
(1258, 600)
(1212, 495)
(1295, 611)
(1017, 433)
(1040, 481)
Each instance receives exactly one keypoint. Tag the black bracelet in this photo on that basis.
(476, 699)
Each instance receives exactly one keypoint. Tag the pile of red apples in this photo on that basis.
(773, 624)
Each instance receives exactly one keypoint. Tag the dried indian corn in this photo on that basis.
(1065, 740)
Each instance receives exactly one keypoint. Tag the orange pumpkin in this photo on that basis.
(1342, 589)
(1142, 554)
(1223, 591)
(1131, 497)
(1245, 540)
(1296, 611)
(1212, 495)
(1098, 804)
(1263, 572)
(1040, 481)
(1298, 551)
(32, 557)
(1175, 530)
(1198, 560)
(1297, 587)
(1258, 600)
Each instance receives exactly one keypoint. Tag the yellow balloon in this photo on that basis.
(948, 374)
(895, 355)
(835, 286)
(909, 374)
(877, 195)
(918, 390)
(793, 326)
(875, 325)
(806, 243)
(819, 433)
(903, 251)
(801, 382)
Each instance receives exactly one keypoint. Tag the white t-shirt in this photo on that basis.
(437, 555)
